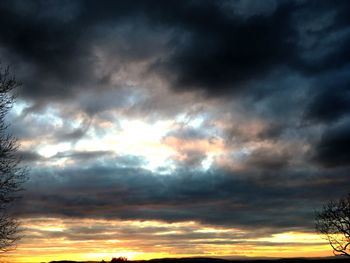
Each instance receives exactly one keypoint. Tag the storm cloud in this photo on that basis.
(225, 113)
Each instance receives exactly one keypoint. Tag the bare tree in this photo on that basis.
(334, 222)
(12, 175)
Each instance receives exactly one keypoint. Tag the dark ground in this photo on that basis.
(216, 260)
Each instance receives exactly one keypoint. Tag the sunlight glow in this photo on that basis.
(152, 141)
(19, 106)
(139, 240)
(294, 237)
(50, 150)
(134, 137)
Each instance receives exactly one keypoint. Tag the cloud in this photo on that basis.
(150, 237)
(76, 133)
(332, 150)
(268, 158)
(256, 90)
(215, 47)
(80, 155)
(235, 50)
(28, 156)
(332, 99)
(273, 200)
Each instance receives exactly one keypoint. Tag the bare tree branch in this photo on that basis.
(334, 222)
(11, 174)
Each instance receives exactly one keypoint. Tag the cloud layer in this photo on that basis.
(230, 114)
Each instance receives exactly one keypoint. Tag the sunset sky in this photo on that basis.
(177, 128)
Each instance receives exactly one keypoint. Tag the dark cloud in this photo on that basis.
(331, 104)
(272, 131)
(29, 156)
(269, 159)
(332, 150)
(219, 53)
(250, 200)
(331, 101)
(55, 66)
(212, 46)
(323, 36)
(274, 74)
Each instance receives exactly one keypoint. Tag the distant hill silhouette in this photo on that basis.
(218, 260)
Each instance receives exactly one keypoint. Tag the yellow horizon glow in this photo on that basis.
(47, 239)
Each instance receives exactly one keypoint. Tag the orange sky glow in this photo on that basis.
(47, 239)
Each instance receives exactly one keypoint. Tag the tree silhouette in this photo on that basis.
(120, 259)
(11, 174)
(334, 222)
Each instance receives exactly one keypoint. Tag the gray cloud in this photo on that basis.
(29, 156)
(332, 150)
(268, 78)
(279, 200)
(61, 68)
(82, 155)
(267, 159)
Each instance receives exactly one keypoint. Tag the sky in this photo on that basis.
(177, 128)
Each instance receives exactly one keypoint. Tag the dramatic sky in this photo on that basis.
(178, 128)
